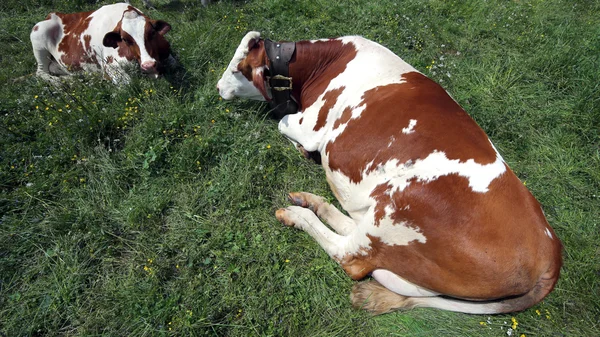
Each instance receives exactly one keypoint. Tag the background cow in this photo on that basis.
(436, 216)
(102, 40)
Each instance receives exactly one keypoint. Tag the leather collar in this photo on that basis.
(280, 54)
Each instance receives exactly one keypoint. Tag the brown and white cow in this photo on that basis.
(436, 217)
(102, 40)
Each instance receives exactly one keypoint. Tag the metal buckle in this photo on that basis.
(281, 77)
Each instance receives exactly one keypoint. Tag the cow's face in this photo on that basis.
(244, 77)
(141, 39)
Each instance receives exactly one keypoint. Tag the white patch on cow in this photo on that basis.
(390, 232)
(549, 234)
(395, 233)
(354, 197)
(135, 25)
(399, 285)
(410, 128)
(233, 83)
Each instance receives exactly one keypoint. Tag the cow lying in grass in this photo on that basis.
(104, 41)
(436, 217)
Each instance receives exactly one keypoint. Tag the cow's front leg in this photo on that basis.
(304, 219)
(340, 222)
(347, 250)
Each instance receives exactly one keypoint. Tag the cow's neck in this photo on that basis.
(315, 65)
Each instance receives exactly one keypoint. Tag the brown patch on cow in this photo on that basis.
(156, 44)
(87, 43)
(128, 49)
(35, 28)
(476, 247)
(315, 64)
(329, 100)
(375, 137)
(344, 118)
(357, 267)
(73, 51)
(256, 58)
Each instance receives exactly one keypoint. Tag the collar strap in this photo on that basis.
(280, 54)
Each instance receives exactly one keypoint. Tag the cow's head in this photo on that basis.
(244, 77)
(142, 39)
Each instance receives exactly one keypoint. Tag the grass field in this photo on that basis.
(149, 209)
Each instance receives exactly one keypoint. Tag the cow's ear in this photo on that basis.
(258, 79)
(162, 27)
(253, 43)
(112, 39)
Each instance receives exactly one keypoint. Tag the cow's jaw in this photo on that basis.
(233, 83)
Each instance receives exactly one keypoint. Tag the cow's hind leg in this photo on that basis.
(341, 223)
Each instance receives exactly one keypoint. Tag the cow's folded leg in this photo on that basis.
(340, 222)
(305, 219)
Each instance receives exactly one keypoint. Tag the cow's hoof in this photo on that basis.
(306, 200)
(298, 199)
(281, 215)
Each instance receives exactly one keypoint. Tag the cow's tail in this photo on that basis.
(374, 297)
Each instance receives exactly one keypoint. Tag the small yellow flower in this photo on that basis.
(226, 110)
(287, 261)
(37, 107)
(177, 266)
(538, 312)
(514, 323)
(82, 180)
(59, 110)
(268, 146)
(212, 121)
(36, 96)
(482, 323)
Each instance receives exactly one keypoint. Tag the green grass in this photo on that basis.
(149, 209)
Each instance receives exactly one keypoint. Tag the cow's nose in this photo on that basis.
(148, 65)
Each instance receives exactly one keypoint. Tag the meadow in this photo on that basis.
(148, 209)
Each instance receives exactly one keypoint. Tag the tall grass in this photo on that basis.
(149, 209)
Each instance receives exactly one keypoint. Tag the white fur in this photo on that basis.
(233, 83)
(399, 285)
(410, 128)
